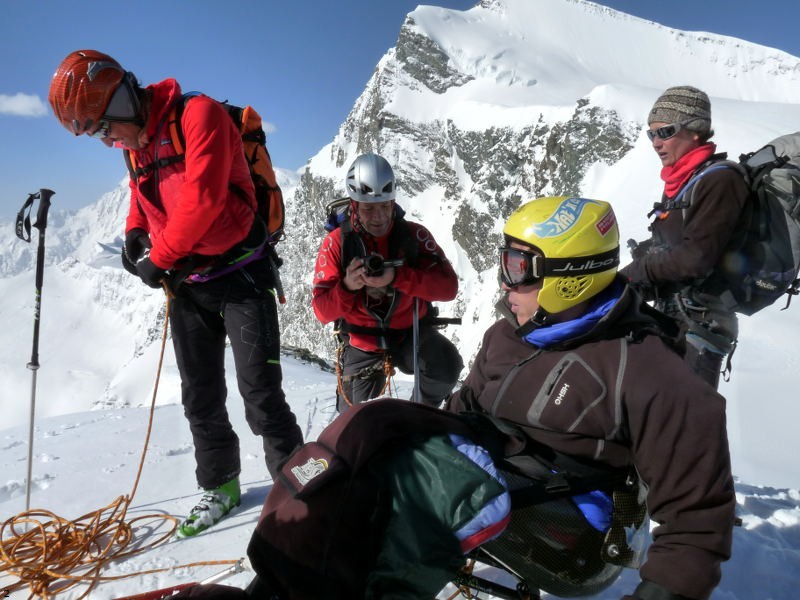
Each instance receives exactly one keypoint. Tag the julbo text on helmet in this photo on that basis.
(579, 241)
(370, 179)
(89, 87)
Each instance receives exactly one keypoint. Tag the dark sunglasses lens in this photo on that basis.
(121, 107)
(664, 133)
(101, 132)
(667, 131)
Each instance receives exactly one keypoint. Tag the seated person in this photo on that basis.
(584, 366)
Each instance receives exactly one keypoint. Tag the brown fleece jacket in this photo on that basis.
(620, 395)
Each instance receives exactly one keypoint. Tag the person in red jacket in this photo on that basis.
(188, 215)
(370, 274)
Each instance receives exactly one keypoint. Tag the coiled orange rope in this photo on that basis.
(50, 555)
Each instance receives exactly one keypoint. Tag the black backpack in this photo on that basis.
(762, 260)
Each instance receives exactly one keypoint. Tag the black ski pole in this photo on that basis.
(416, 395)
(23, 229)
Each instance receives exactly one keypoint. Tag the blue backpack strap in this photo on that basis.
(676, 201)
(689, 184)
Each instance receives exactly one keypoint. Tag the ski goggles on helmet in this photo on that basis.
(523, 267)
(520, 267)
(667, 131)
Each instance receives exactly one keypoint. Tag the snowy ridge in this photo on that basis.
(765, 558)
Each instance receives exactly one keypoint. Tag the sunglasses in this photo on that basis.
(101, 132)
(518, 267)
(667, 131)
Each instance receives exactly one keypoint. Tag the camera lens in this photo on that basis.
(373, 265)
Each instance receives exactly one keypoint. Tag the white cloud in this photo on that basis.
(22, 105)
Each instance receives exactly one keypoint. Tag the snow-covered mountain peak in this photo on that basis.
(477, 111)
(553, 51)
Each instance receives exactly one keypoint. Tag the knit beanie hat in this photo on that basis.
(683, 104)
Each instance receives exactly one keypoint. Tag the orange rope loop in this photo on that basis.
(51, 555)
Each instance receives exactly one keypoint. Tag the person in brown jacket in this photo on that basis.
(582, 364)
(678, 267)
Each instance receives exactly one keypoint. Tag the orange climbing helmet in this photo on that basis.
(89, 87)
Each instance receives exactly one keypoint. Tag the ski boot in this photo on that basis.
(214, 505)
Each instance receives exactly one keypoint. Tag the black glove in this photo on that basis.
(136, 242)
(149, 272)
(640, 249)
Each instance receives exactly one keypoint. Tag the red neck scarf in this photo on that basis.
(676, 175)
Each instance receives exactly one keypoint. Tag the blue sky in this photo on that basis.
(301, 64)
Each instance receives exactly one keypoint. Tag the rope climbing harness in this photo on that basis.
(385, 366)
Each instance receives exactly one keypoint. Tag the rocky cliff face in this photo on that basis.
(480, 176)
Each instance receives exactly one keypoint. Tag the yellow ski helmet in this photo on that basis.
(579, 241)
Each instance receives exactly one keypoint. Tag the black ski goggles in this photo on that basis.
(522, 267)
(123, 107)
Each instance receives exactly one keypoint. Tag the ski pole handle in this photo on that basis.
(23, 225)
(44, 206)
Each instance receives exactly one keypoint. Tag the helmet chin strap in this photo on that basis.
(356, 217)
(540, 318)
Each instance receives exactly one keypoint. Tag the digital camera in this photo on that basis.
(374, 264)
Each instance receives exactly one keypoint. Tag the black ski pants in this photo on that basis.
(241, 307)
(440, 364)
